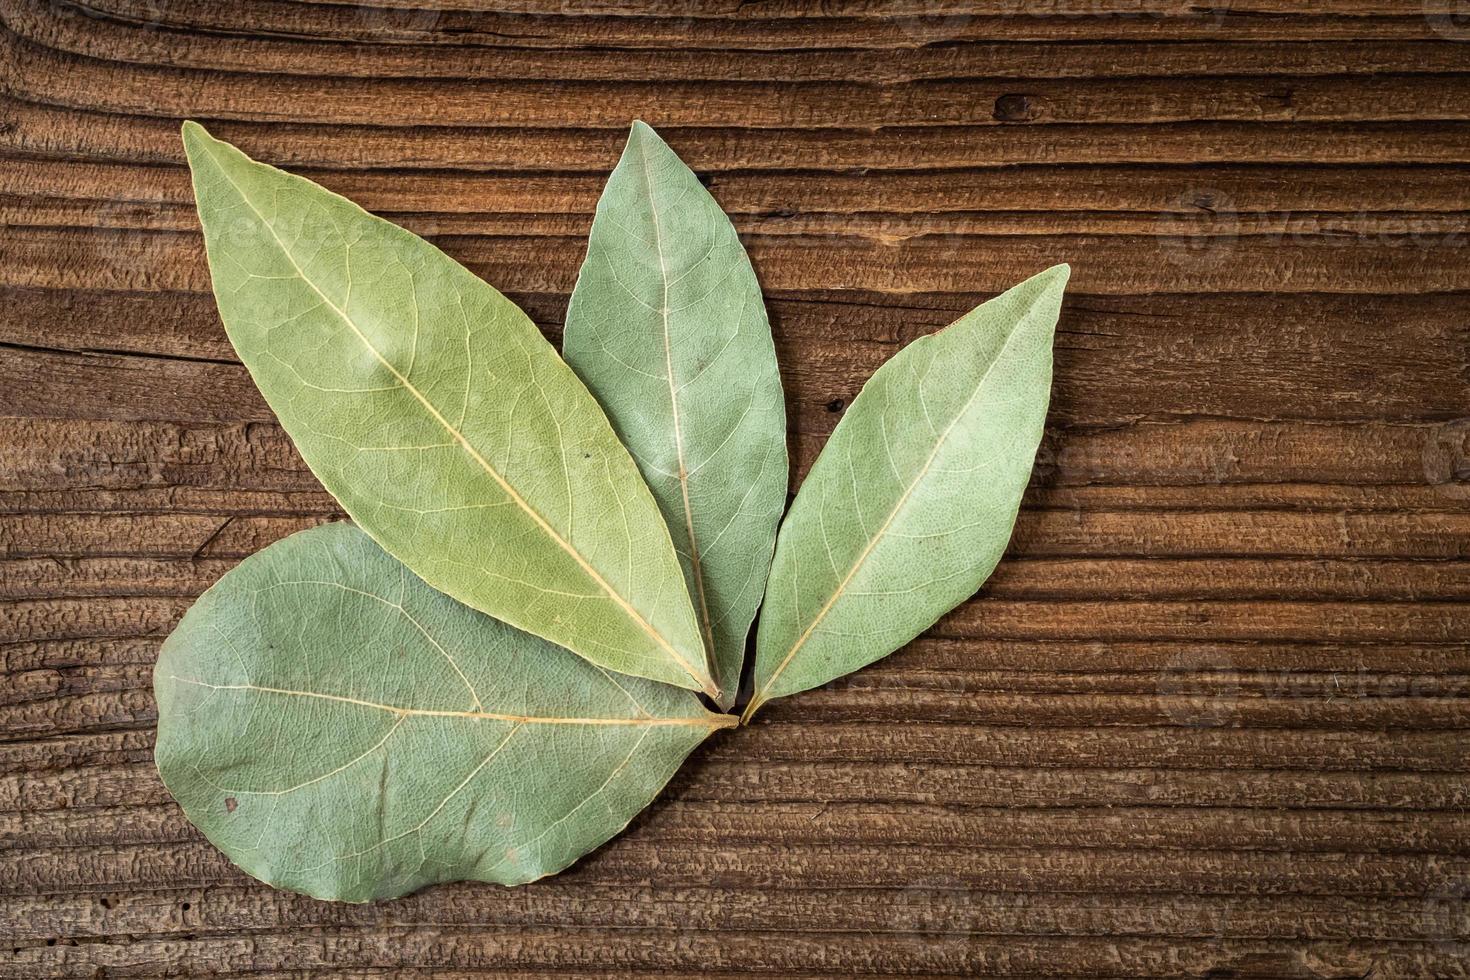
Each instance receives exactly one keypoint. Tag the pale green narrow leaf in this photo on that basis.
(432, 408)
(338, 728)
(911, 503)
(667, 328)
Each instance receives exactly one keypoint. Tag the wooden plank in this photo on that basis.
(826, 370)
(44, 76)
(1020, 578)
(1040, 533)
(982, 619)
(1305, 668)
(1194, 213)
(1296, 497)
(907, 27)
(101, 790)
(1307, 357)
(90, 135)
(712, 54)
(1204, 453)
(637, 859)
(127, 195)
(698, 825)
(1186, 260)
(1240, 754)
(884, 911)
(514, 950)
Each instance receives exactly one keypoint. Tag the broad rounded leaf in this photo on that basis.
(338, 728)
(432, 408)
(911, 503)
(667, 328)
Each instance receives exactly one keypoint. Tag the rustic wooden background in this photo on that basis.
(1209, 719)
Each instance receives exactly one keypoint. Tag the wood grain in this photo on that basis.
(1209, 717)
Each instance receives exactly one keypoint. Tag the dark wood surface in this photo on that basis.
(1210, 717)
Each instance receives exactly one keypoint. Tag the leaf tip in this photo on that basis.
(644, 137)
(198, 143)
(193, 134)
(1060, 274)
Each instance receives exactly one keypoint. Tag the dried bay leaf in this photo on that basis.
(432, 408)
(911, 503)
(668, 329)
(338, 728)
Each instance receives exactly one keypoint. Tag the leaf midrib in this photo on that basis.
(695, 570)
(464, 443)
(712, 722)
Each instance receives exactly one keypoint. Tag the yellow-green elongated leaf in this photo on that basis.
(338, 728)
(667, 327)
(911, 503)
(432, 408)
